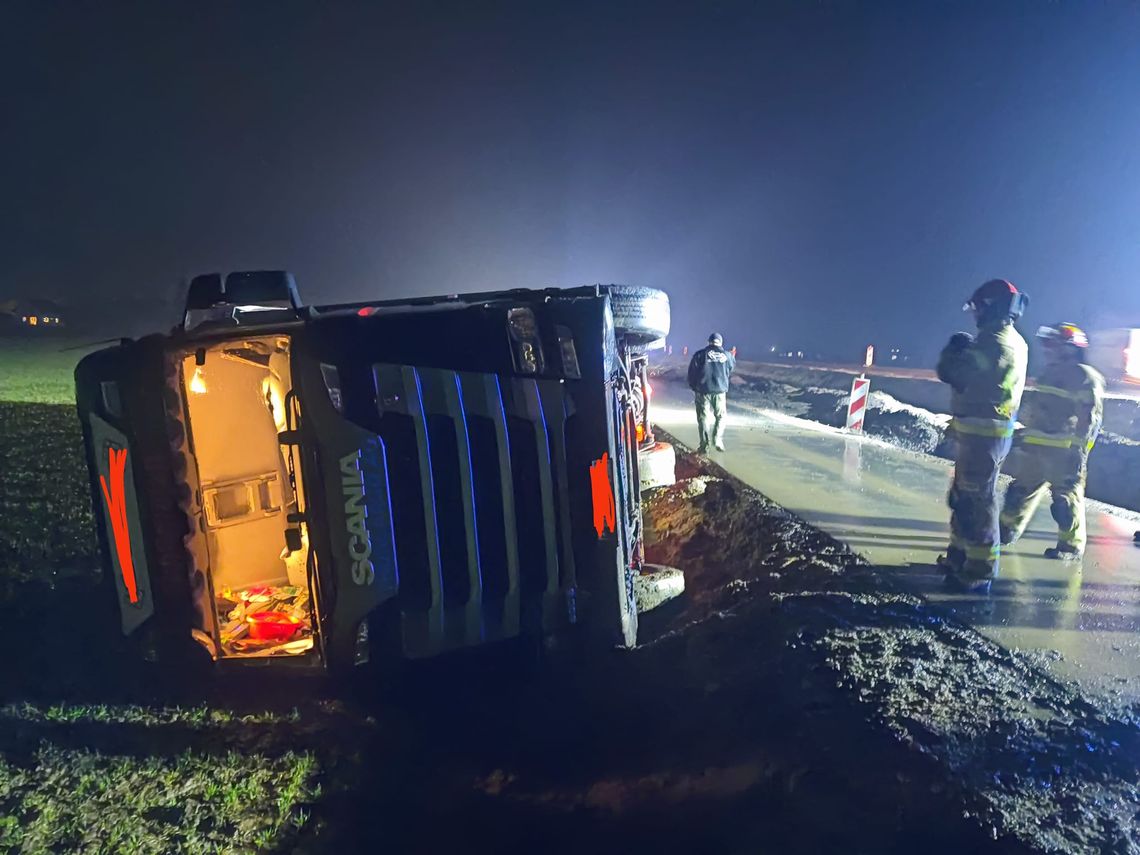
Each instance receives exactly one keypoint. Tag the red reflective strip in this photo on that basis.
(116, 498)
(605, 511)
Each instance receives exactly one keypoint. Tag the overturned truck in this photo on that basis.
(286, 485)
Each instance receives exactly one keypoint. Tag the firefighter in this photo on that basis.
(709, 371)
(986, 373)
(1060, 422)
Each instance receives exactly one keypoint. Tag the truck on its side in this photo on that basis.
(315, 486)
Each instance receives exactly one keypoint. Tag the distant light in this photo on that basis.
(1132, 355)
(198, 382)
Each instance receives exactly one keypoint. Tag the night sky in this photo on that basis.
(818, 174)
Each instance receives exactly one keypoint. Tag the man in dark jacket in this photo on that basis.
(986, 373)
(709, 371)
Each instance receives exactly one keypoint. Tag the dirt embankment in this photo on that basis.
(1025, 758)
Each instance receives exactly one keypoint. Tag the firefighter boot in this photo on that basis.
(974, 577)
(1064, 552)
(953, 560)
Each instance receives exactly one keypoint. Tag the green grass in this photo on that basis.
(77, 800)
(46, 523)
(39, 371)
(200, 717)
(106, 775)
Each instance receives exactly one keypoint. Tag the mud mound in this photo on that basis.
(1114, 471)
(728, 538)
(1023, 757)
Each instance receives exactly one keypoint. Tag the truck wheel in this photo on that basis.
(657, 466)
(641, 314)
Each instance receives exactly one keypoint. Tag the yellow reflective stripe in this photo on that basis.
(983, 427)
(983, 553)
(1036, 438)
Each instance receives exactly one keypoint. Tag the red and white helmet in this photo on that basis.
(1063, 335)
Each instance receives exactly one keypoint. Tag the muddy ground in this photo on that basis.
(789, 702)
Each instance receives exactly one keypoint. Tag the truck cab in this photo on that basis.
(283, 485)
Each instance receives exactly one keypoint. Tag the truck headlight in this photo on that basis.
(526, 346)
(569, 353)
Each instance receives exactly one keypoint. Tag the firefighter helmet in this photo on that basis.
(1063, 335)
(997, 299)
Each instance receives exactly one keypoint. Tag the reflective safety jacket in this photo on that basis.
(987, 376)
(1065, 408)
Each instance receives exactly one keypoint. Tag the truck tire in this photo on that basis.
(641, 314)
(657, 466)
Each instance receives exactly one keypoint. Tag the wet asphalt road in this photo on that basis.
(1081, 622)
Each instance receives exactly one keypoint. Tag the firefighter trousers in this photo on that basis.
(711, 410)
(975, 542)
(1036, 469)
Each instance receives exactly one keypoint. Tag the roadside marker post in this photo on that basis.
(857, 408)
(860, 388)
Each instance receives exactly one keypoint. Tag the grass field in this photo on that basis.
(93, 756)
(39, 371)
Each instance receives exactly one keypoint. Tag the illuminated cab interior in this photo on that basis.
(254, 583)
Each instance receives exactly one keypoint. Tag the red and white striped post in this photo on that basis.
(857, 408)
(860, 388)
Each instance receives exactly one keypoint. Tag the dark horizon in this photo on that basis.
(811, 176)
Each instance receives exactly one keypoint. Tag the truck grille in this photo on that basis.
(477, 472)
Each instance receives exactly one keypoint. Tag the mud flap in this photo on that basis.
(122, 524)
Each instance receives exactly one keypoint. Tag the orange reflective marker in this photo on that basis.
(605, 512)
(116, 498)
